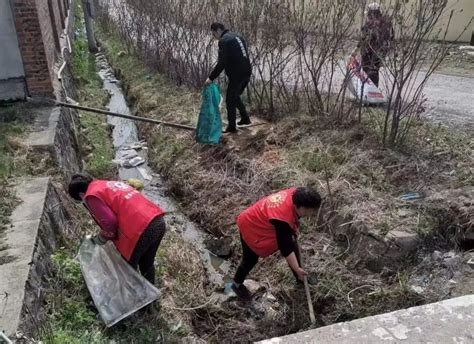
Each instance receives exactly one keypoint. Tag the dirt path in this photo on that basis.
(450, 100)
(449, 97)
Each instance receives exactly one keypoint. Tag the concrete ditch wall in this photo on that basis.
(43, 214)
(37, 223)
(55, 134)
(449, 321)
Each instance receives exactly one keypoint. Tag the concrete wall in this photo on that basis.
(463, 11)
(448, 321)
(12, 81)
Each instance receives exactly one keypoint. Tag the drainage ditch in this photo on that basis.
(427, 275)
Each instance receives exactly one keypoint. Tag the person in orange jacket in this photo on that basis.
(270, 225)
(126, 217)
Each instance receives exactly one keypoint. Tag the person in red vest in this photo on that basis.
(134, 223)
(270, 225)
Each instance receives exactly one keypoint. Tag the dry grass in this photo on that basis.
(183, 280)
(361, 183)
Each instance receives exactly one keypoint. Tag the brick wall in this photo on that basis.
(39, 24)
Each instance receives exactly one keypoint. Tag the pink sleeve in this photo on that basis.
(104, 216)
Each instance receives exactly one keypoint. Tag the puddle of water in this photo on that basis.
(125, 135)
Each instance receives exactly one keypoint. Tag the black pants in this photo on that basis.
(233, 102)
(371, 65)
(143, 255)
(249, 260)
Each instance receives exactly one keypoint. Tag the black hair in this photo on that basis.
(306, 197)
(79, 183)
(217, 26)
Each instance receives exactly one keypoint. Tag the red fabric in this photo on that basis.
(254, 222)
(133, 210)
(104, 216)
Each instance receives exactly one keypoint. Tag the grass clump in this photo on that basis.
(73, 318)
(13, 126)
(96, 148)
(13, 159)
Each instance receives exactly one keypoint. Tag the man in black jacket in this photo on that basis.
(234, 59)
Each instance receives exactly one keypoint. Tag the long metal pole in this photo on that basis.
(135, 118)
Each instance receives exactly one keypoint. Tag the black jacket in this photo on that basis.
(233, 57)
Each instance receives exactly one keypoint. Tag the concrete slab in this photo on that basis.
(46, 121)
(20, 241)
(54, 133)
(449, 321)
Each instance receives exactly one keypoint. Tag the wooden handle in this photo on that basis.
(306, 286)
(310, 302)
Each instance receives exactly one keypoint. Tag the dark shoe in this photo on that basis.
(242, 292)
(230, 130)
(244, 122)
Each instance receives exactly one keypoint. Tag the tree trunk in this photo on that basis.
(86, 6)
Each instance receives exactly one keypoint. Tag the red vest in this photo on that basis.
(254, 222)
(134, 211)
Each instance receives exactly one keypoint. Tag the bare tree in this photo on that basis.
(418, 49)
(297, 48)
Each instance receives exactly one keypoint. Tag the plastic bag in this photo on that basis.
(117, 289)
(361, 86)
(209, 127)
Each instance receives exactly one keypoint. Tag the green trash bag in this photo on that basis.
(209, 127)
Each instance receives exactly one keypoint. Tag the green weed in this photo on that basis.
(95, 132)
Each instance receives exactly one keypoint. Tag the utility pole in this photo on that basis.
(88, 8)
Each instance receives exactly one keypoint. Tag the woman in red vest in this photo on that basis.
(271, 225)
(125, 216)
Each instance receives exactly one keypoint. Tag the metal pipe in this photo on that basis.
(60, 71)
(135, 118)
(68, 43)
(5, 338)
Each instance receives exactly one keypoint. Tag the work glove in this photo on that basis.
(136, 183)
(98, 240)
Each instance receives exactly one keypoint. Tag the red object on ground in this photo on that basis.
(134, 211)
(254, 222)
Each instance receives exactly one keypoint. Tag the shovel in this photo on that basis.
(306, 285)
